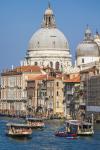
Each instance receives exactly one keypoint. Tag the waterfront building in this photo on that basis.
(85, 76)
(71, 95)
(58, 97)
(13, 88)
(36, 93)
(45, 94)
(48, 46)
(93, 94)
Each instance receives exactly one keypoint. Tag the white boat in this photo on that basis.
(18, 130)
(81, 128)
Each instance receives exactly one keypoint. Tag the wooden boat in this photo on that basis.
(65, 134)
(81, 128)
(18, 130)
(35, 122)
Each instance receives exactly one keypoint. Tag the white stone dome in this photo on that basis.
(48, 46)
(48, 38)
(87, 49)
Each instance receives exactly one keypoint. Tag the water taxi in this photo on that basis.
(18, 130)
(35, 122)
(81, 128)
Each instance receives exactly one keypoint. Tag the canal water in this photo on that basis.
(46, 140)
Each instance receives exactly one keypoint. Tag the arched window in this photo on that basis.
(57, 66)
(51, 64)
(35, 63)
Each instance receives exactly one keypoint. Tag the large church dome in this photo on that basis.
(48, 46)
(48, 38)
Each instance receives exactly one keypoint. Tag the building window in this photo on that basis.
(51, 64)
(35, 63)
(57, 93)
(82, 60)
(57, 66)
(57, 83)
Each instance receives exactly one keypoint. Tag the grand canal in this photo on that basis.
(45, 139)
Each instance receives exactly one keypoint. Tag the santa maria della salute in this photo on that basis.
(48, 46)
(47, 82)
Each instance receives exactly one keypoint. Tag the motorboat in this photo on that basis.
(18, 130)
(65, 134)
(81, 128)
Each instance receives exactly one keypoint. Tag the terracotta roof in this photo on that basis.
(21, 69)
(37, 77)
(73, 80)
(40, 77)
(28, 69)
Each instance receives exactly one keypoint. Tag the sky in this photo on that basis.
(19, 19)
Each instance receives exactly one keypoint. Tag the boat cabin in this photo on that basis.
(35, 122)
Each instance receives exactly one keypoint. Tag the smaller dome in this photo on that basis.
(49, 11)
(88, 49)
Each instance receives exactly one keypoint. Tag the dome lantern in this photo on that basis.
(49, 18)
(88, 34)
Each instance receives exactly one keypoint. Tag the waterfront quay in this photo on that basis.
(46, 140)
